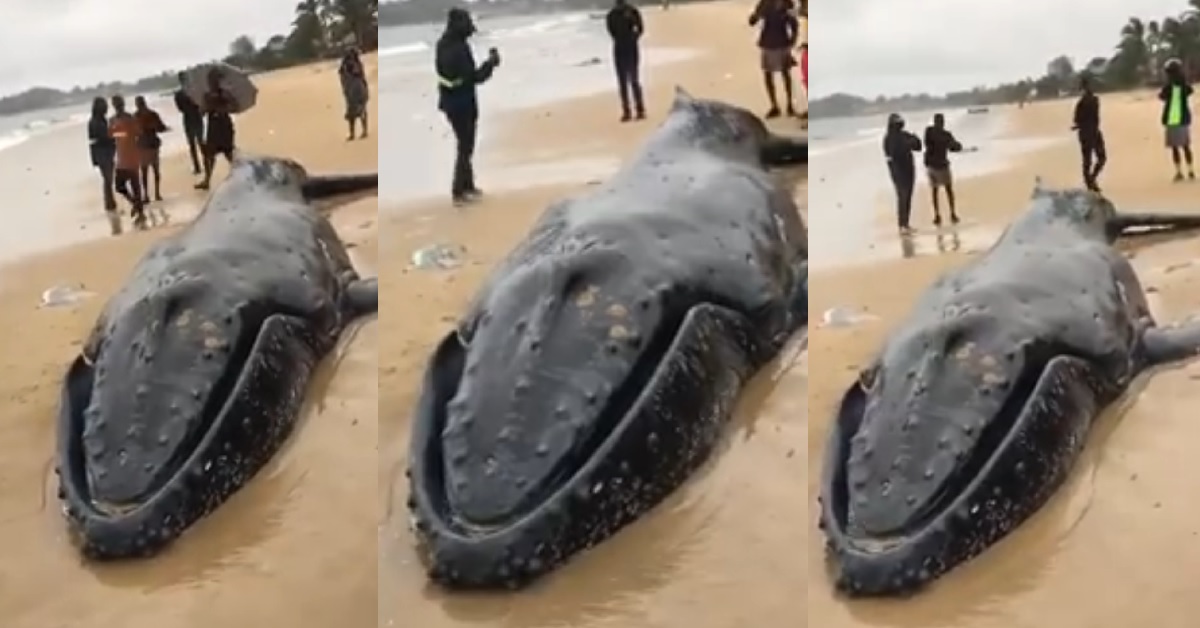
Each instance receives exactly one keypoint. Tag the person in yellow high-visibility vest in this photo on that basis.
(457, 77)
(1177, 116)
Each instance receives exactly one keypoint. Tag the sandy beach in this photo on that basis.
(727, 549)
(267, 556)
(1116, 546)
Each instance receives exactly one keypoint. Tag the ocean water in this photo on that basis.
(18, 129)
(545, 59)
(850, 176)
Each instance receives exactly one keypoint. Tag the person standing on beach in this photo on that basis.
(354, 90)
(777, 36)
(150, 124)
(625, 27)
(898, 148)
(193, 122)
(939, 143)
(126, 132)
(103, 151)
(218, 107)
(1091, 140)
(458, 77)
(1177, 116)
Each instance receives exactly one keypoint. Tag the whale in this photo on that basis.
(978, 405)
(194, 373)
(597, 366)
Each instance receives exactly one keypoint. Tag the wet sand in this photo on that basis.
(1117, 545)
(727, 549)
(297, 547)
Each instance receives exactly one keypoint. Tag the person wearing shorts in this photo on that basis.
(776, 38)
(939, 143)
(126, 131)
(1177, 117)
(150, 124)
(218, 106)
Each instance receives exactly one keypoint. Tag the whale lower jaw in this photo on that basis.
(1018, 477)
(669, 430)
(258, 416)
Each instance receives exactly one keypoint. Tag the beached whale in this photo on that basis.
(194, 373)
(597, 366)
(979, 404)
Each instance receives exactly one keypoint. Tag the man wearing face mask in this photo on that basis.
(457, 78)
(898, 147)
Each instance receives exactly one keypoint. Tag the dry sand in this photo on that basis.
(296, 547)
(1118, 545)
(726, 551)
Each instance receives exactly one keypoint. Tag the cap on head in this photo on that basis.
(895, 120)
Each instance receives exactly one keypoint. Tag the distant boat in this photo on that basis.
(978, 110)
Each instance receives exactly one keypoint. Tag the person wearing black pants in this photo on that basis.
(898, 147)
(103, 151)
(457, 99)
(1091, 140)
(626, 28)
(193, 123)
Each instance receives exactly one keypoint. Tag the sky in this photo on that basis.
(871, 47)
(62, 43)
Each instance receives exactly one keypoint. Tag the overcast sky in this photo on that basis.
(61, 43)
(871, 47)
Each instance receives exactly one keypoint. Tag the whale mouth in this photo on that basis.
(619, 410)
(79, 473)
(1034, 393)
(1021, 455)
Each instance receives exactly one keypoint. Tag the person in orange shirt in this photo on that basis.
(125, 131)
(150, 124)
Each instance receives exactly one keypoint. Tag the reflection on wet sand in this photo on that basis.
(301, 519)
(1116, 546)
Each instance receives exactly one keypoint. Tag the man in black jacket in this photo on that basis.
(193, 122)
(457, 77)
(898, 148)
(103, 151)
(1091, 139)
(939, 143)
(625, 27)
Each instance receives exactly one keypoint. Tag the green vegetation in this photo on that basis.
(320, 29)
(1137, 60)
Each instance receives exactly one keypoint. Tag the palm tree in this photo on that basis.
(307, 40)
(1129, 64)
(356, 20)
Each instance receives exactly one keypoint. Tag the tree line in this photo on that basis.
(320, 29)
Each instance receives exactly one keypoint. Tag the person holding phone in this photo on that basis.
(458, 77)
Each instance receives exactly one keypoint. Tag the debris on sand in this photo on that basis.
(438, 257)
(845, 317)
(65, 295)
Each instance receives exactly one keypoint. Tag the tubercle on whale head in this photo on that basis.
(526, 416)
(927, 403)
(163, 371)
